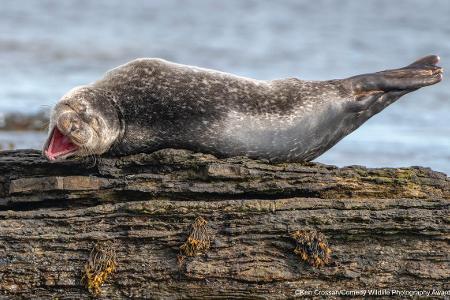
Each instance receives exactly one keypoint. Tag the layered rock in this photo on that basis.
(183, 224)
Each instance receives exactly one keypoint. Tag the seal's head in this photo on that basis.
(84, 122)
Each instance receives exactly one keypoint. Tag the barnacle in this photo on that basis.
(101, 263)
(311, 247)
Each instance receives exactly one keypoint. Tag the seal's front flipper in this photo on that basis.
(421, 73)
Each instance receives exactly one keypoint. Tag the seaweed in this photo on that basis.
(198, 241)
(101, 263)
(312, 247)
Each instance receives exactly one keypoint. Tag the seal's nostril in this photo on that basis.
(75, 125)
(68, 122)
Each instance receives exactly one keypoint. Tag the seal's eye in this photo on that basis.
(92, 121)
(79, 107)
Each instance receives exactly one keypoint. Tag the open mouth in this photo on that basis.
(59, 146)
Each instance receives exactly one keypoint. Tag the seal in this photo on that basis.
(149, 104)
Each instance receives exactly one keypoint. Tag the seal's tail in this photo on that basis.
(420, 73)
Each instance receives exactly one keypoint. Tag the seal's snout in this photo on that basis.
(59, 145)
(68, 122)
(60, 141)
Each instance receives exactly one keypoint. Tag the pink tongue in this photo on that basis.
(59, 145)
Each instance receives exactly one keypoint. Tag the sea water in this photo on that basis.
(49, 46)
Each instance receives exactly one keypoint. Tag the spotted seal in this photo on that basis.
(149, 104)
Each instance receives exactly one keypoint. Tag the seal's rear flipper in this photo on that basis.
(376, 91)
(421, 73)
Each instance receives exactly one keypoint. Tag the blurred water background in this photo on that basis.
(48, 47)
